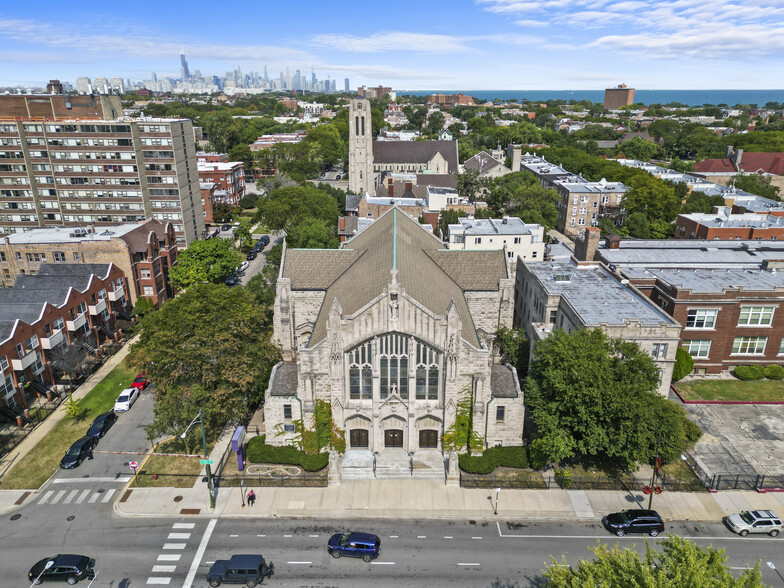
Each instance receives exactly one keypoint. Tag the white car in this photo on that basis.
(243, 266)
(126, 399)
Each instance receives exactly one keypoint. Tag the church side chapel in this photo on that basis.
(391, 332)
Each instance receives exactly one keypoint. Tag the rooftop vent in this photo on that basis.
(562, 277)
(78, 232)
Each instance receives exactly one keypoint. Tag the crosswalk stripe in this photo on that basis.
(46, 497)
(164, 581)
(94, 498)
(57, 497)
(163, 569)
(71, 495)
(174, 545)
(183, 525)
(179, 536)
(169, 557)
(109, 493)
(82, 496)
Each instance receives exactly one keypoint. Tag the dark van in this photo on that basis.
(240, 569)
(364, 545)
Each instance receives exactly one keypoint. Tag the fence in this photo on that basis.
(729, 481)
(308, 480)
(13, 436)
(536, 481)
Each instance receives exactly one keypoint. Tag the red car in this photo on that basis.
(140, 381)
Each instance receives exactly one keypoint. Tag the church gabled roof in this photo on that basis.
(360, 271)
(415, 152)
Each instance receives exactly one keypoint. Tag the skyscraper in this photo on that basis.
(617, 97)
(185, 74)
(154, 77)
(347, 85)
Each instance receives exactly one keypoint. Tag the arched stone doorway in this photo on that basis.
(395, 431)
(429, 430)
(359, 432)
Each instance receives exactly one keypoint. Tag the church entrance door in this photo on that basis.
(428, 439)
(393, 438)
(358, 438)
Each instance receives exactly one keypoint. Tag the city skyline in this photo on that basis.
(485, 44)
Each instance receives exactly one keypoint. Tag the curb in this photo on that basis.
(742, 402)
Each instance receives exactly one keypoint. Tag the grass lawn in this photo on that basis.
(172, 471)
(36, 467)
(755, 391)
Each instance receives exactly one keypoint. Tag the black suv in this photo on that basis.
(634, 521)
(240, 569)
(65, 567)
(364, 545)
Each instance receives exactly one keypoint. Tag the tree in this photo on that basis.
(249, 201)
(69, 359)
(679, 564)
(756, 184)
(639, 148)
(596, 397)
(701, 202)
(262, 285)
(469, 184)
(222, 129)
(636, 225)
(684, 364)
(446, 218)
(242, 153)
(285, 207)
(514, 348)
(435, 122)
(651, 196)
(221, 212)
(143, 306)
(461, 436)
(208, 348)
(242, 233)
(205, 261)
(521, 194)
(313, 233)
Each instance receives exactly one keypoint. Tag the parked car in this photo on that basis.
(634, 521)
(240, 569)
(231, 280)
(755, 521)
(243, 266)
(126, 399)
(76, 454)
(65, 567)
(101, 424)
(226, 228)
(252, 254)
(337, 177)
(264, 240)
(140, 381)
(364, 545)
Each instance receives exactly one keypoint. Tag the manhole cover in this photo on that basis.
(70, 518)
(99, 491)
(177, 498)
(16, 517)
(471, 522)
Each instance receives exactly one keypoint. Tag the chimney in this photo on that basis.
(585, 247)
(391, 190)
(342, 221)
(738, 159)
(613, 242)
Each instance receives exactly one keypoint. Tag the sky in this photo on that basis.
(408, 45)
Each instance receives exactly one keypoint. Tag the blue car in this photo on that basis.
(364, 545)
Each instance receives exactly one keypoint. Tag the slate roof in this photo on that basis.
(437, 180)
(359, 273)
(415, 152)
(503, 382)
(283, 380)
(352, 202)
(482, 162)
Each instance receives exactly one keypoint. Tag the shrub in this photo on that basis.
(750, 372)
(684, 364)
(510, 457)
(257, 451)
(774, 372)
(691, 431)
(563, 478)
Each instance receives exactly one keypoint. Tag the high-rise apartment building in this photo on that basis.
(346, 86)
(58, 107)
(83, 86)
(77, 172)
(616, 97)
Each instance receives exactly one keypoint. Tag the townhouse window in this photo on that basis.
(477, 240)
(581, 222)
(148, 290)
(749, 345)
(571, 224)
(510, 254)
(287, 412)
(145, 274)
(500, 413)
(2, 256)
(58, 324)
(82, 308)
(585, 199)
(3, 363)
(553, 314)
(756, 316)
(659, 350)
(518, 240)
(698, 348)
(583, 210)
(7, 388)
(701, 318)
(533, 255)
(76, 256)
(58, 256)
(18, 256)
(781, 349)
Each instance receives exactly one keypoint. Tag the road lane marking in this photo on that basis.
(57, 497)
(94, 498)
(312, 535)
(393, 536)
(119, 479)
(46, 497)
(382, 563)
(260, 535)
(300, 563)
(469, 564)
(448, 537)
(108, 496)
(287, 535)
(179, 536)
(475, 537)
(71, 495)
(174, 545)
(421, 536)
(233, 535)
(199, 554)
(183, 525)
(163, 569)
(83, 495)
(162, 581)
(169, 557)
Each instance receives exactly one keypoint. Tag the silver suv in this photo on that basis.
(755, 521)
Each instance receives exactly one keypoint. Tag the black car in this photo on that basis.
(232, 280)
(264, 240)
(240, 569)
(634, 521)
(252, 254)
(226, 228)
(66, 567)
(101, 424)
(79, 450)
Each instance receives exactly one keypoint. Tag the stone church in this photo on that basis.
(369, 160)
(393, 330)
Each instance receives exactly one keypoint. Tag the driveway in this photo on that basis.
(256, 265)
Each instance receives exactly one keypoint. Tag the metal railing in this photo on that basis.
(307, 480)
(537, 481)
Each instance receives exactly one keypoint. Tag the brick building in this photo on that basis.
(208, 190)
(722, 224)
(228, 176)
(583, 203)
(450, 99)
(54, 107)
(103, 172)
(63, 305)
(144, 252)
(614, 98)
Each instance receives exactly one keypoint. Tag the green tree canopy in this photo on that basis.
(435, 122)
(637, 226)
(756, 184)
(651, 196)
(521, 194)
(208, 348)
(679, 564)
(641, 149)
(285, 207)
(593, 396)
(210, 261)
(313, 233)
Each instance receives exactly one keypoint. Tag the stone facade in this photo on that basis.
(361, 178)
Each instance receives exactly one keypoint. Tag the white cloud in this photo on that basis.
(392, 41)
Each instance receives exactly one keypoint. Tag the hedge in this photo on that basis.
(510, 457)
(774, 372)
(257, 451)
(750, 372)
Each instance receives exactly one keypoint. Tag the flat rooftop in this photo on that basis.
(596, 296)
(64, 234)
(494, 226)
(749, 219)
(692, 253)
(706, 281)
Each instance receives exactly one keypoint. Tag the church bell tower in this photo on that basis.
(361, 177)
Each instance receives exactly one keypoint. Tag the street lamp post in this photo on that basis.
(200, 419)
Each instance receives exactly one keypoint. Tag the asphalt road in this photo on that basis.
(179, 551)
(256, 265)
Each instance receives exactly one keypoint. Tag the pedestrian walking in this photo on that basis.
(251, 498)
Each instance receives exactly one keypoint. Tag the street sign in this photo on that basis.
(206, 462)
(288, 428)
(133, 464)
